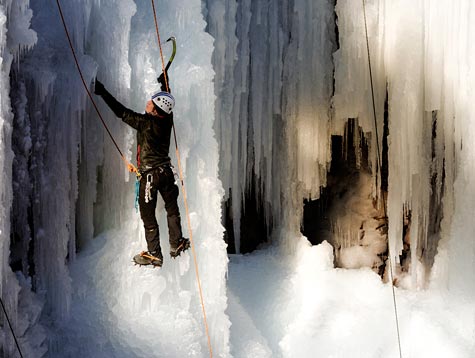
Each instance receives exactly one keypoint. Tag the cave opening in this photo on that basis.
(345, 214)
(254, 227)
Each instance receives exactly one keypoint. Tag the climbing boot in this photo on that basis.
(183, 244)
(149, 258)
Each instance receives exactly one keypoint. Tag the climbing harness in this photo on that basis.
(176, 176)
(130, 166)
(184, 192)
(148, 188)
(379, 167)
(11, 328)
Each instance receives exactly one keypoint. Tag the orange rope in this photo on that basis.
(129, 165)
(184, 193)
(160, 46)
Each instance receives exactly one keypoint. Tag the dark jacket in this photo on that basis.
(153, 133)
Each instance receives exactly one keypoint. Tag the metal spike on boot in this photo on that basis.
(146, 258)
(183, 245)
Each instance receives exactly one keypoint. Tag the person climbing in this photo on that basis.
(153, 162)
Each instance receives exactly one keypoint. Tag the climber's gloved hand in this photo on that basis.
(163, 83)
(99, 88)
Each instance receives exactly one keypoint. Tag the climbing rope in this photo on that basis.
(129, 165)
(11, 328)
(184, 191)
(160, 47)
(379, 166)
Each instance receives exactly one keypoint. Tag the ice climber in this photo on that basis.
(153, 162)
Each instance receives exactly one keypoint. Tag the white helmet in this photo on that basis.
(165, 101)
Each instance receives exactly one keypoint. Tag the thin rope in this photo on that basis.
(160, 46)
(129, 165)
(11, 328)
(379, 166)
(184, 193)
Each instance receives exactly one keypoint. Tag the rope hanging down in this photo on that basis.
(184, 192)
(129, 165)
(11, 328)
(379, 167)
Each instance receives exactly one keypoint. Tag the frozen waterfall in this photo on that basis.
(276, 133)
(71, 184)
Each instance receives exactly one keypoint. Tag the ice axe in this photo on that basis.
(161, 78)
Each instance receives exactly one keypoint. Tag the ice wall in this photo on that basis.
(424, 59)
(452, 94)
(6, 158)
(248, 116)
(307, 94)
(69, 181)
(54, 104)
(276, 109)
(191, 77)
(274, 84)
(16, 38)
(352, 98)
(107, 204)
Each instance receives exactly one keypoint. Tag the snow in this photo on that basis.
(303, 307)
(130, 310)
(279, 306)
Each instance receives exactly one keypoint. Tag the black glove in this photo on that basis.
(161, 80)
(113, 104)
(99, 88)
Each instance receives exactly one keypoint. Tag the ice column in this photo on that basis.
(192, 77)
(274, 84)
(308, 79)
(423, 58)
(427, 60)
(352, 97)
(54, 104)
(221, 18)
(191, 82)
(109, 28)
(15, 39)
(8, 281)
(450, 79)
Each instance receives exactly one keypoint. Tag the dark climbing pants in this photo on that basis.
(160, 180)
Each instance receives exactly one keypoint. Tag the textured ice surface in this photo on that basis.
(273, 82)
(76, 185)
(123, 310)
(423, 60)
(274, 107)
(303, 307)
(21, 305)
